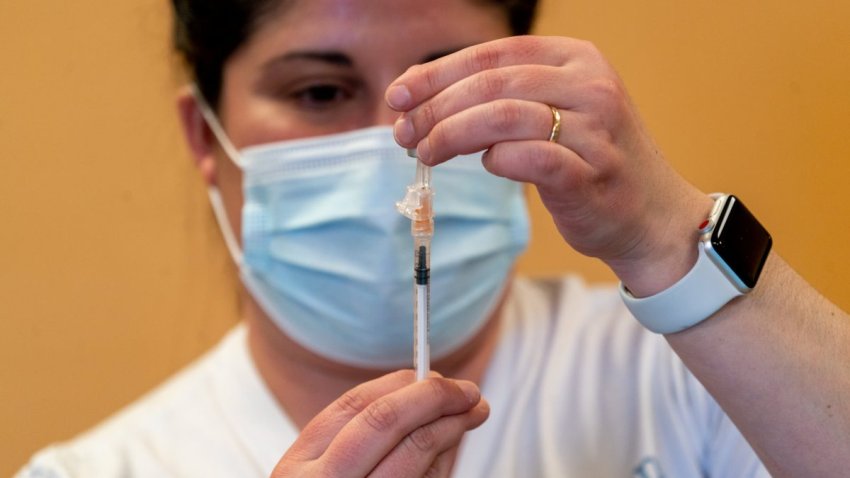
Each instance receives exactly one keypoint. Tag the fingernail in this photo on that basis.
(483, 407)
(470, 390)
(403, 131)
(398, 97)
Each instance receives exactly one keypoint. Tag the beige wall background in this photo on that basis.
(112, 274)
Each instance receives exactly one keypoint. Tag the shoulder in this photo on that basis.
(155, 436)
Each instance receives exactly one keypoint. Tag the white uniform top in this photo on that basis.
(577, 389)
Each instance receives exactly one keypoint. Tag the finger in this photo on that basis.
(560, 87)
(364, 441)
(423, 452)
(481, 126)
(421, 82)
(318, 434)
(549, 166)
(442, 466)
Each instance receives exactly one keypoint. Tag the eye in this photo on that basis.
(320, 96)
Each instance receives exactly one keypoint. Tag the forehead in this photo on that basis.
(387, 29)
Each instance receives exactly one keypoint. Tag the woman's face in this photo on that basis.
(321, 66)
(317, 67)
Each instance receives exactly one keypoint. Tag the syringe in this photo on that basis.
(418, 206)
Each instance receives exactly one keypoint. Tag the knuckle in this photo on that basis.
(491, 84)
(441, 388)
(505, 116)
(608, 96)
(430, 77)
(589, 48)
(427, 117)
(352, 402)
(530, 46)
(433, 471)
(423, 439)
(484, 57)
(607, 91)
(548, 164)
(381, 415)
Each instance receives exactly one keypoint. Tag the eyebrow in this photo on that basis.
(337, 58)
(330, 57)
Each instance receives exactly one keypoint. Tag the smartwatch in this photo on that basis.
(732, 250)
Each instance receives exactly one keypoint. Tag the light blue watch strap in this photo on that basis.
(704, 290)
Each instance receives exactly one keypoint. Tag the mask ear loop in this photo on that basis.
(224, 224)
(213, 192)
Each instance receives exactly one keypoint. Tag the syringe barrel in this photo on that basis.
(421, 306)
(421, 325)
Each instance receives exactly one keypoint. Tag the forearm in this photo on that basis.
(778, 362)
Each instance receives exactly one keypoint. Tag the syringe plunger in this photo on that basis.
(422, 269)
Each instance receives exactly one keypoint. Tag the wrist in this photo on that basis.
(667, 252)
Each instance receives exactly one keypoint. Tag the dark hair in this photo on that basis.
(520, 13)
(207, 32)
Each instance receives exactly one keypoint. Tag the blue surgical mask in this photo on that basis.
(329, 259)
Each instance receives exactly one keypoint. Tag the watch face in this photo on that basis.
(741, 241)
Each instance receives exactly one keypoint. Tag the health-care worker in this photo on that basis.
(298, 124)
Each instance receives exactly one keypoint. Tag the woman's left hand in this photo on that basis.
(609, 190)
(768, 358)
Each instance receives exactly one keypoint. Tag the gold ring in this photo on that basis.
(556, 125)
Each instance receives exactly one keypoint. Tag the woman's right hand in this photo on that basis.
(392, 426)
